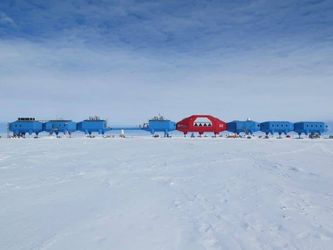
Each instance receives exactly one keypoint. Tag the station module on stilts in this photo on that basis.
(279, 127)
(201, 124)
(247, 127)
(159, 124)
(313, 129)
(59, 126)
(25, 125)
(93, 125)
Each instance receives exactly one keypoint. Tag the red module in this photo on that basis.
(201, 124)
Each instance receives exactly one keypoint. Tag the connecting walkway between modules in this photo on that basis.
(127, 128)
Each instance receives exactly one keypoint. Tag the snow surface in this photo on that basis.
(178, 193)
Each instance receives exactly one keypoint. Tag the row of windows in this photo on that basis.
(20, 126)
(202, 124)
(280, 125)
(307, 126)
(59, 125)
(312, 126)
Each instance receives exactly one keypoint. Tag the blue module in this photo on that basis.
(93, 124)
(59, 126)
(25, 125)
(247, 127)
(280, 127)
(159, 124)
(310, 128)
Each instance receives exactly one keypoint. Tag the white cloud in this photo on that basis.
(54, 80)
(6, 20)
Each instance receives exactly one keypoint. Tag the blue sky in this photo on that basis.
(129, 60)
